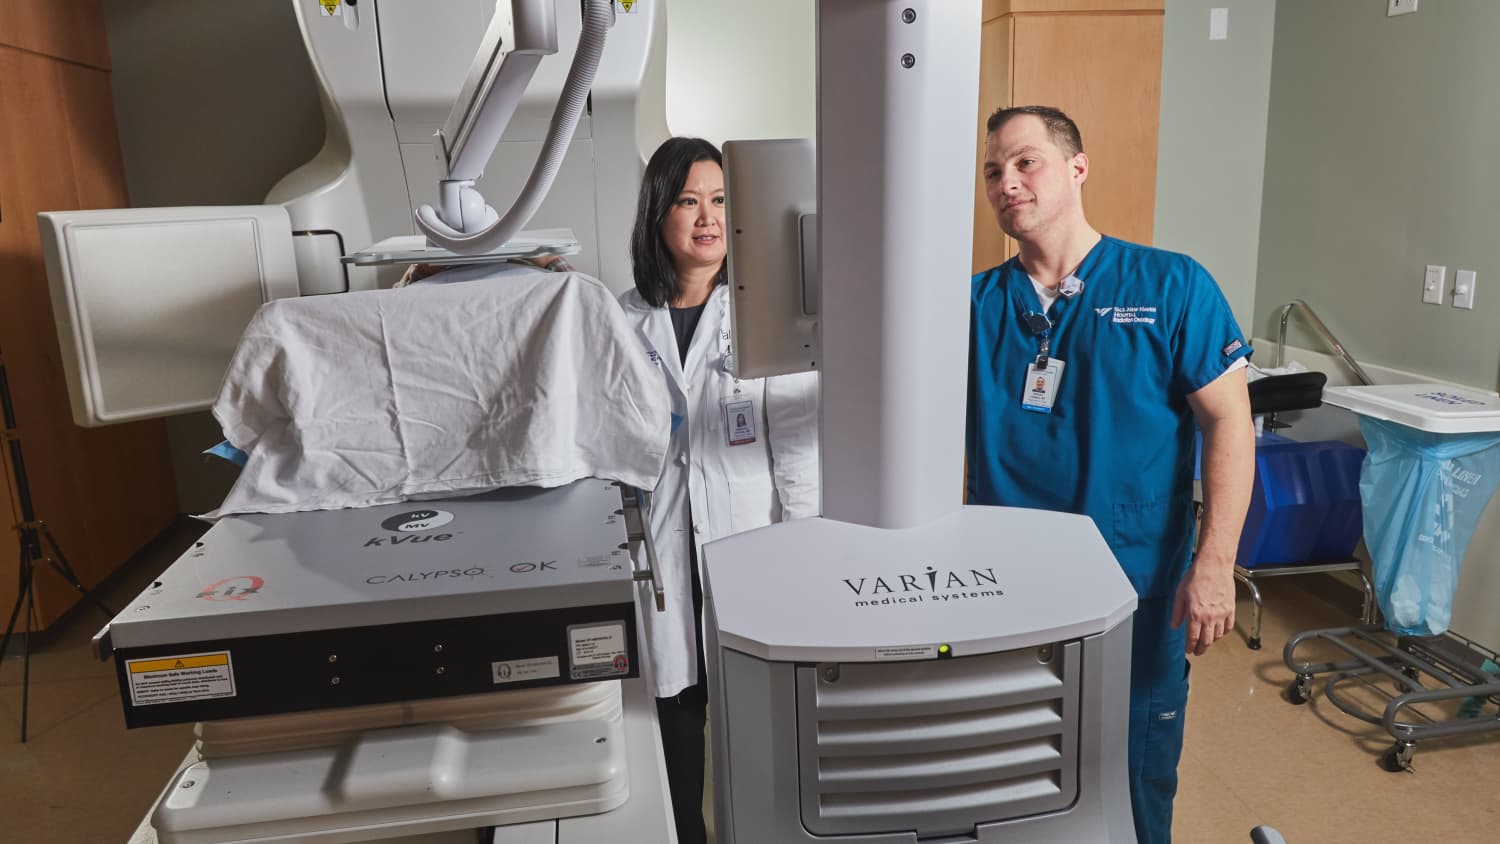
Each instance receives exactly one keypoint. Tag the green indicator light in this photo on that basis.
(942, 649)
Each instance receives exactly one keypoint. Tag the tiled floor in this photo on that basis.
(81, 776)
(1251, 758)
(1311, 771)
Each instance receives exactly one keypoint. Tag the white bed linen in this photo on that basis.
(481, 377)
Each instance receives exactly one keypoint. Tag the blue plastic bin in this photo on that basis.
(1305, 505)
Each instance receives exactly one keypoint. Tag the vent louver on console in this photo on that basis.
(938, 746)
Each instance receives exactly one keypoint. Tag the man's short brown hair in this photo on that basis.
(1060, 127)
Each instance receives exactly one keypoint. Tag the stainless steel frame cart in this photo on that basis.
(1463, 669)
(1413, 672)
(1248, 576)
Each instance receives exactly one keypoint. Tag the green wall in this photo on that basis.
(1381, 158)
(1214, 98)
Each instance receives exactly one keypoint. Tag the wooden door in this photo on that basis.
(991, 246)
(1105, 72)
(1100, 62)
(103, 492)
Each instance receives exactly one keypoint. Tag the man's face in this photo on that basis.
(1030, 182)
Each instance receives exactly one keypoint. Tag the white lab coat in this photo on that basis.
(708, 488)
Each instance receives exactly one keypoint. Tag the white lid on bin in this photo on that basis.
(1438, 408)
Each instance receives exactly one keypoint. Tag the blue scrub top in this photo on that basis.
(1149, 328)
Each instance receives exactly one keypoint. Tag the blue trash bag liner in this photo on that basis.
(1423, 495)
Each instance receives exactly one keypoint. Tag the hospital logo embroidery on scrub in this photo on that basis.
(1131, 314)
(1232, 347)
(1103, 311)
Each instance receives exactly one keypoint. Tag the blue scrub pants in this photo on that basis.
(1158, 705)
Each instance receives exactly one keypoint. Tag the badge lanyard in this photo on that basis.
(1041, 328)
(1039, 390)
(738, 407)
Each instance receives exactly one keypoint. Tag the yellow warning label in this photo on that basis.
(177, 679)
(331, 7)
(141, 666)
(626, 4)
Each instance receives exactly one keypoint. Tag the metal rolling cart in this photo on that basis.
(1452, 660)
(1248, 576)
(1268, 396)
(1409, 671)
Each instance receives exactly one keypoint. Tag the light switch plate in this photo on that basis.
(1218, 23)
(1463, 289)
(1432, 284)
(1400, 7)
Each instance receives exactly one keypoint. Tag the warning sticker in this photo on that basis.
(332, 8)
(521, 670)
(598, 651)
(175, 679)
(628, 6)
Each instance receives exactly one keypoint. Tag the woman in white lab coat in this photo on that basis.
(743, 453)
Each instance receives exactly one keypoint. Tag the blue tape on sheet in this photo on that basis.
(228, 452)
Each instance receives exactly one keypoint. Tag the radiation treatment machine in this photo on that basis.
(902, 669)
(435, 671)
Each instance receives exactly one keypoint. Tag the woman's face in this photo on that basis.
(694, 227)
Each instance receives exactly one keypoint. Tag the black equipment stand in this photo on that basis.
(32, 532)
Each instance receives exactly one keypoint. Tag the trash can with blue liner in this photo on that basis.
(1432, 466)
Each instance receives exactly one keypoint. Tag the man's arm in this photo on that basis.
(1205, 598)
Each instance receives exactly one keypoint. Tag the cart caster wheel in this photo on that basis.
(1254, 644)
(1397, 758)
(1297, 692)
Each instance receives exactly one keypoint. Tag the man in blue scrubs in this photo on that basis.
(1090, 361)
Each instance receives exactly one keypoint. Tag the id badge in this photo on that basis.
(739, 419)
(1039, 391)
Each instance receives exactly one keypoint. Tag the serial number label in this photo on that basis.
(597, 650)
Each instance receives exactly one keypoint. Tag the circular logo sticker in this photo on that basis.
(621, 663)
(233, 588)
(417, 520)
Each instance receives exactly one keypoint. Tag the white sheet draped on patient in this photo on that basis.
(491, 377)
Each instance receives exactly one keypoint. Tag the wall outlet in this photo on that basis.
(1432, 284)
(1463, 289)
(1218, 23)
(1400, 7)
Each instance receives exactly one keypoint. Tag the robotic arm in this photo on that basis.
(518, 38)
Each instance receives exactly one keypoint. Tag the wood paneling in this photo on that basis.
(1115, 97)
(1104, 70)
(71, 30)
(991, 246)
(995, 8)
(104, 492)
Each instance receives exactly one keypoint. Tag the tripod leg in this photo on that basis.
(59, 564)
(28, 570)
(26, 668)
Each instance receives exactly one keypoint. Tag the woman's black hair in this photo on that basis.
(667, 171)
